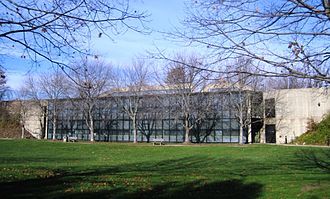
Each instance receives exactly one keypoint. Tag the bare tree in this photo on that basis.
(93, 78)
(150, 114)
(33, 103)
(283, 38)
(242, 88)
(108, 116)
(146, 124)
(136, 80)
(54, 86)
(186, 81)
(49, 86)
(59, 30)
(203, 116)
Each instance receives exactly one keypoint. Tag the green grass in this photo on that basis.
(319, 134)
(43, 169)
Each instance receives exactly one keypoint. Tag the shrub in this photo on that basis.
(9, 124)
(316, 133)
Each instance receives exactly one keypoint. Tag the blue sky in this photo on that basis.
(165, 14)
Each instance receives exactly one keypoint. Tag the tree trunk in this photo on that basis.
(187, 130)
(186, 139)
(23, 129)
(54, 128)
(198, 138)
(91, 128)
(240, 109)
(54, 121)
(134, 130)
(249, 121)
(241, 127)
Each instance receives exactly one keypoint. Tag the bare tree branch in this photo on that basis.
(59, 31)
(283, 38)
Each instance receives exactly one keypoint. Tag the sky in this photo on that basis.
(165, 15)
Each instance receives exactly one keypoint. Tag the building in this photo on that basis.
(271, 117)
(288, 111)
(214, 115)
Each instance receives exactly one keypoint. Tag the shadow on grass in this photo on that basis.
(221, 189)
(51, 188)
(308, 159)
(83, 184)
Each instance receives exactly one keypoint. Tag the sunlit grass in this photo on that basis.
(47, 169)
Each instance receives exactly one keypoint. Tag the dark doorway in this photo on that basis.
(256, 126)
(270, 133)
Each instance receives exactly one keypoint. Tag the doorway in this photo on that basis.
(270, 133)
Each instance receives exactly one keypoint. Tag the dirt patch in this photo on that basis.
(310, 187)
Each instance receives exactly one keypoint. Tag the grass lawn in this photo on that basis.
(44, 169)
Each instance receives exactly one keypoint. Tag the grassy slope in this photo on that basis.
(113, 170)
(319, 135)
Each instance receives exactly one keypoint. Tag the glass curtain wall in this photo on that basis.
(158, 116)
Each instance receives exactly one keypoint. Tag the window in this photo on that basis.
(270, 108)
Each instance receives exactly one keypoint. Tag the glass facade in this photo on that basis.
(212, 118)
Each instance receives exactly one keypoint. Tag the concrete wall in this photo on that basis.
(31, 116)
(294, 108)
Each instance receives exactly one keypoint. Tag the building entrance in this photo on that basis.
(270, 133)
